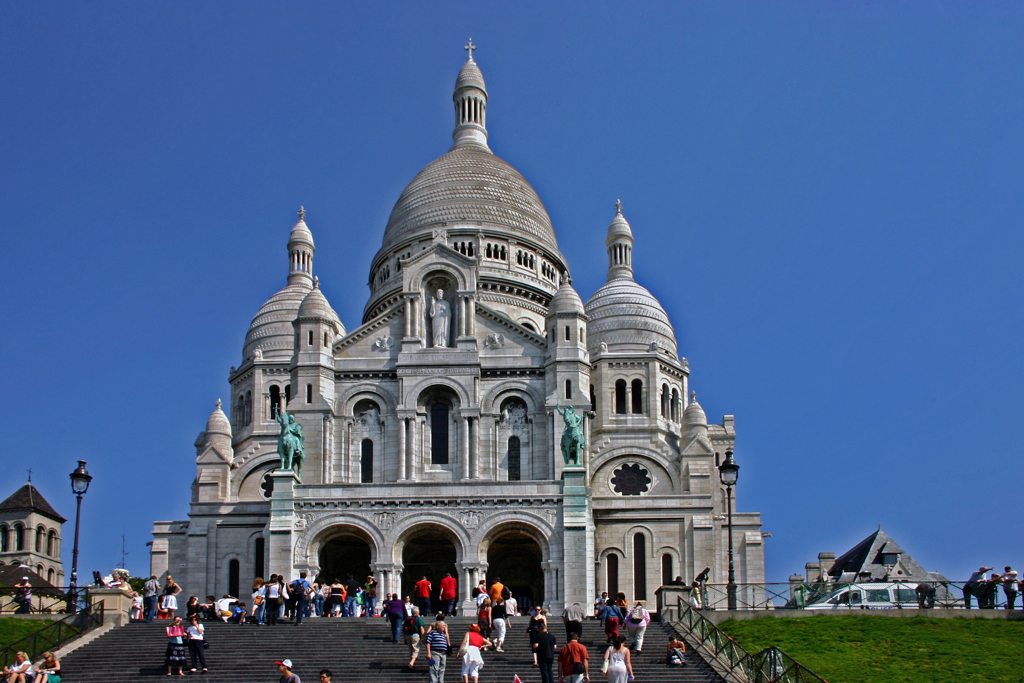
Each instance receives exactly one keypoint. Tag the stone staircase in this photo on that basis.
(355, 650)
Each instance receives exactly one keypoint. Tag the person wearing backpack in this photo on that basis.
(302, 591)
(414, 629)
(636, 623)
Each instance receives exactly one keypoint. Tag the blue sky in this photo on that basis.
(826, 197)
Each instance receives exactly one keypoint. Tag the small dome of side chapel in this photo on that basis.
(218, 422)
(623, 314)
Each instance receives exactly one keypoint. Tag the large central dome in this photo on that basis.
(469, 184)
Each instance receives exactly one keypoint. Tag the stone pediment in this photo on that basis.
(503, 325)
(372, 330)
(698, 445)
(212, 455)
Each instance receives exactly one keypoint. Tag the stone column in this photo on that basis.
(403, 427)
(464, 451)
(410, 458)
(471, 317)
(556, 449)
(577, 537)
(474, 447)
(462, 316)
(408, 318)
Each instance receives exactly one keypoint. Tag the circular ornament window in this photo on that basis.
(631, 480)
(267, 486)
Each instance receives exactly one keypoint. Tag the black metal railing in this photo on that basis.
(886, 595)
(50, 600)
(770, 665)
(54, 635)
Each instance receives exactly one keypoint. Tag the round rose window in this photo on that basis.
(631, 480)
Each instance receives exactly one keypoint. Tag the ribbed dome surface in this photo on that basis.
(694, 415)
(627, 317)
(469, 184)
(470, 76)
(218, 422)
(271, 329)
(566, 300)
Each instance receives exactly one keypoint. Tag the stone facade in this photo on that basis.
(30, 534)
(432, 431)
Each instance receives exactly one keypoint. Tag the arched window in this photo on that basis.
(675, 405)
(366, 462)
(259, 556)
(311, 337)
(620, 397)
(666, 569)
(51, 576)
(287, 394)
(514, 459)
(439, 434)
(613, 575)
(39, 570)
(568, 389)
(51, 544)
(309, 393)
(664, 401)
(248, 408)
(275, 400)
(40, 538)
(568, 334)
(637, 396)
(233, 577)
(639, 567)
(326, 344)
(593, 399)
(4, 539)
(19, 537)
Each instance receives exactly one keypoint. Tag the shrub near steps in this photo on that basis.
(355, 650)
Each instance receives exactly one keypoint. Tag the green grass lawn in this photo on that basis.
(862, 649)
(12, 629)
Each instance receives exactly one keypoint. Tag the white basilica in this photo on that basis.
(432, 430)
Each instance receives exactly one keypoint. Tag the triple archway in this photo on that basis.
(513, 552)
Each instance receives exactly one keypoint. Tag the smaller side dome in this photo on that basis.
(566, 300)
(315, 305)
(694, 415)
(218, 422)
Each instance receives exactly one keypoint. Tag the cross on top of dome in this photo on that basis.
(469, 48)
(302, 213)
(618, 206)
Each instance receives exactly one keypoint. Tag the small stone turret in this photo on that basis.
(568, 361)
(214, 456)
(470, 105)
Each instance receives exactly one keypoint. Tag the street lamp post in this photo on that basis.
(730, 472)
(79, 485)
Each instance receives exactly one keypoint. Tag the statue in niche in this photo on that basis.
(440, 316)
(514, 414)
(370, 418)
(573, 440)
(290, 441)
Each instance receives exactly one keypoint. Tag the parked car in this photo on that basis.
(868, 596)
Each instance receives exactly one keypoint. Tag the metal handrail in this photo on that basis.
(54, 634)
(44, 601)
(770, 665)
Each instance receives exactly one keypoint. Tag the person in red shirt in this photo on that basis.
(572, 654)
(449, 589)
(423, 588)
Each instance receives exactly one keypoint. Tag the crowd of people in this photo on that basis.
(275, 601)
(986, 590)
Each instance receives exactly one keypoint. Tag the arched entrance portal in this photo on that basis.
(428, 553)
(516, 557)
(342, 554)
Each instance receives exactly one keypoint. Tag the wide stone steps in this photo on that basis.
(355, 650)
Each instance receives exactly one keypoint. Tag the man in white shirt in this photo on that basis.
(224, 607)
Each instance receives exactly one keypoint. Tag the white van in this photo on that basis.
(868, 596)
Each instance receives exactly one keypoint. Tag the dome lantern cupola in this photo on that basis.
(300, 252)
(470, 105)
(620, 246)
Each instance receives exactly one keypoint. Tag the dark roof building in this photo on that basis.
(30, 536)
(877, 558)
(28, 499)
